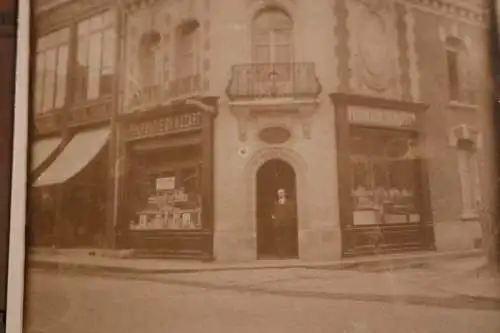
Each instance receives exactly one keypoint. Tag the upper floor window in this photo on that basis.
(51, 71)
(150, 59)
(469, 177)
(459, 80)
(272, 37)
(187, 50)
(95, 57)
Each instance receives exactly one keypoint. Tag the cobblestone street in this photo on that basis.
(414, 300)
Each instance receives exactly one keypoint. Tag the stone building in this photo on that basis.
(74, 66)
(369, 114)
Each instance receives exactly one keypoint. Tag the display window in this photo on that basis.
(168, 196)
(385, 183)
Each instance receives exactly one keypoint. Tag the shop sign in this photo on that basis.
(165, 184)
(164, 125)
(381, 117)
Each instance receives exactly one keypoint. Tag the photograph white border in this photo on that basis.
(15, 279)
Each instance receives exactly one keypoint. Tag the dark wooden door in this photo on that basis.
(273, 175)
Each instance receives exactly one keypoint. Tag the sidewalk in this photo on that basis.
(92, 261)
(454, 278)
(433, 283)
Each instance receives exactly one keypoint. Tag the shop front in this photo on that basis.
(69, 196)
(383, 185)
(41, 200)
(167, 195)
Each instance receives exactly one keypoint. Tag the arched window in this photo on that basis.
(187, 49)
(458, 71)
(148, 59)
(272, 36)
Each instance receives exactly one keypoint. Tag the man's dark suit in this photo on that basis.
(284, 218)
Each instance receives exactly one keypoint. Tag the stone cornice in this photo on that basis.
(68, 12)
(455, 9)
(134, 5)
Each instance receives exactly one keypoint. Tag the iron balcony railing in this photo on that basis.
(157, 94)
(48, 122)
(273, 80)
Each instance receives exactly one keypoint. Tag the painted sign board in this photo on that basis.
(163, 125)
(381, 117)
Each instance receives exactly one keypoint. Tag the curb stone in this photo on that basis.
(389, 262)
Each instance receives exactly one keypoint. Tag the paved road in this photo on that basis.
(66, 303)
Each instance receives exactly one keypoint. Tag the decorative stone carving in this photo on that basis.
(305, 116)
(275, 135)
(464, 132)
(264, 3)
(373, 46)
(242, 117)
(376, 6)
(374, 54)
(245, 114)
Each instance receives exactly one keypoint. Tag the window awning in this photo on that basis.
(42, 149)
(78, 153)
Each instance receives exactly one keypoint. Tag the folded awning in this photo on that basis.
(42, 149)
(78, 153)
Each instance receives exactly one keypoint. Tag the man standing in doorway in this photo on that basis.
(283, 218)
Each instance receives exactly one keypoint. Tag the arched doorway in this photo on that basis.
(273, 175)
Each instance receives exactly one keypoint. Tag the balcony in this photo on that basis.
(155, 95)
(91, 113)
(287, 90)
(185, 87)
(46, 123)
(276, 80)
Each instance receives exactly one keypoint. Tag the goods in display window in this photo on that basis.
(173, 203)
(385, 181)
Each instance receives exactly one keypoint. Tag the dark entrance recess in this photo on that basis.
(82, 217)
(273, 175)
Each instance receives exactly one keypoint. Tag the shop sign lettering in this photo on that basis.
(382, 118)
(165, 125)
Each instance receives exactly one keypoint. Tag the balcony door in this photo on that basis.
(272, 51)
(272, 37)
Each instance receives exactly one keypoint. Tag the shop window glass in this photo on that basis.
(166, 200)
(385, 180)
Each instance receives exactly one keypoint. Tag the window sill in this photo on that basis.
(48, 113)
(462, 106)
(90, 102)
(467, 217)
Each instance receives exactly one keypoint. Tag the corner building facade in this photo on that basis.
(369, 115)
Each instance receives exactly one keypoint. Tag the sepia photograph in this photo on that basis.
(262, 166)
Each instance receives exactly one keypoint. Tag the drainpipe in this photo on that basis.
(114, 146)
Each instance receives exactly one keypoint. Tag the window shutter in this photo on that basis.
(464, 79)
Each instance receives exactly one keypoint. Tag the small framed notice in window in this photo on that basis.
(164, 184)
